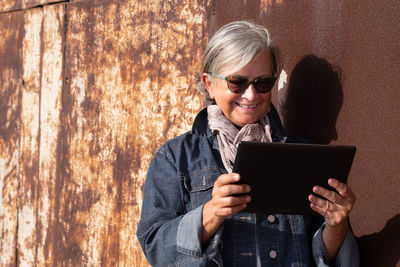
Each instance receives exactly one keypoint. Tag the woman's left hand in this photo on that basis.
(336, 209)
(337, 206)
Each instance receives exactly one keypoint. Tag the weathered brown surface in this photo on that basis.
(369, 119)
(355, 61)
(79, 140)
(90, 90)
(129, 82)
(29, 191)
(10, 5)
(27, 4)
(11, 32)
(52, 40)
(15, 5)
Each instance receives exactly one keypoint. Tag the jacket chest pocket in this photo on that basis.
(199, 186)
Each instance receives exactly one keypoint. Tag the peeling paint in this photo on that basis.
(29, 190)
(9, 5)
(142, 60)
(26, 4)
(10, 104)
(50, 108)
(96, 103)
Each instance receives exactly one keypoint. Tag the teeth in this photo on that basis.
(248, 106)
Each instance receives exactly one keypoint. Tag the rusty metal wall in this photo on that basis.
(13, 5)
(11, 26)
(341, 86)
(90, 89)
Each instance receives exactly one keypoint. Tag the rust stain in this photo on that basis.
(91, 120)
(29, 189)
(26, 4)
(132, 90)
(14, 5)
(9, 5)
(11, 30)
(50, 109)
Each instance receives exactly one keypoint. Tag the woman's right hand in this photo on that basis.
(225, 202)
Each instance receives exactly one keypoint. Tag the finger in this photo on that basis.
(323, 207)
(329, 195)
(342, 188)
(234, 201)
(321, 211)
(332, 214)
(225, 179)
(233, 189)
(228, 211)
(326, 207)
(321, 203)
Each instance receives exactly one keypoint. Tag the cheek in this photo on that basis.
(229, 100)
(220, 92)
(267, 98)
(218, 86)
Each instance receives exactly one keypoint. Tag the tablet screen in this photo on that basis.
(282, 175)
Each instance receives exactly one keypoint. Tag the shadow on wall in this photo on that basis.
(382, 248)
(313, 100)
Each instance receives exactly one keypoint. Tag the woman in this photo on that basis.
(191, 213)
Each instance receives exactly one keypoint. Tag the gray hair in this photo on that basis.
(232, 47)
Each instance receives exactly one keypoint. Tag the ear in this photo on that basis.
(208, 84)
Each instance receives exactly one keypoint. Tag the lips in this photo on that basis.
(247, 106)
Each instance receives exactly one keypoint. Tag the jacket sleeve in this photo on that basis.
(167, 234)
(347, 255)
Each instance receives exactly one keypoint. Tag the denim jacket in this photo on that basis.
(179, 182)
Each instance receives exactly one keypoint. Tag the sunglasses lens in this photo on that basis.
(264, 85)
(237, 85)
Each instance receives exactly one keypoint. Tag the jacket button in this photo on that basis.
(271, 218)
(272, 254)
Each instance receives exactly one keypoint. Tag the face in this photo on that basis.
(248, 106)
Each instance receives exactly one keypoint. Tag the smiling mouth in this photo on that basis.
(247, 106)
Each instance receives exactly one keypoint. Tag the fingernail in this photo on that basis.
(317, 189)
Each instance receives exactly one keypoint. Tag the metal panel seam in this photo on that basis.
(36, 6)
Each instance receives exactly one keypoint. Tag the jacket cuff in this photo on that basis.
(189, 236)
(348, 254)
(318, 248)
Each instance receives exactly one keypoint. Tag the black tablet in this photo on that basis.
(282, 175)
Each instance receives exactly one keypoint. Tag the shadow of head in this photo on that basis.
(381, 248)
(313, 100)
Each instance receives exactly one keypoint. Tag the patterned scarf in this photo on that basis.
(229, 136)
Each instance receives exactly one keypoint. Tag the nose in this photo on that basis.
(250, 92)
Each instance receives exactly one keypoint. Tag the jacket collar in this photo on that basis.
(201, 127)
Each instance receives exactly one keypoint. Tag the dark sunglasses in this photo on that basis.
(238, 85)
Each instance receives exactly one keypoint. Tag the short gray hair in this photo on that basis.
(233, 46)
